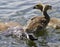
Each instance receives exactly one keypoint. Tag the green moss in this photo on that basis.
(31, 43)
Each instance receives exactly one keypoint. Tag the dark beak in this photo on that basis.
(35, 7)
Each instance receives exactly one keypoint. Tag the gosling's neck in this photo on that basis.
(46, 15)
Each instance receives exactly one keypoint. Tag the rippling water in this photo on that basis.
(21, 11)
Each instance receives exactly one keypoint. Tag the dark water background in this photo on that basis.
(20, 11)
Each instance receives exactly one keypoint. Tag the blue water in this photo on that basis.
(22, 10)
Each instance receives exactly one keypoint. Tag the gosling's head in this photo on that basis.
(38, 6)
(47, 7)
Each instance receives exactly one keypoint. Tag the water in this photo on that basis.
(21, 11)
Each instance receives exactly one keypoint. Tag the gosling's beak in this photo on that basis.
(35, 7)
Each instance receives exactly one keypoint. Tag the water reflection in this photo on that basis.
(42, 39)
(45, 38)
